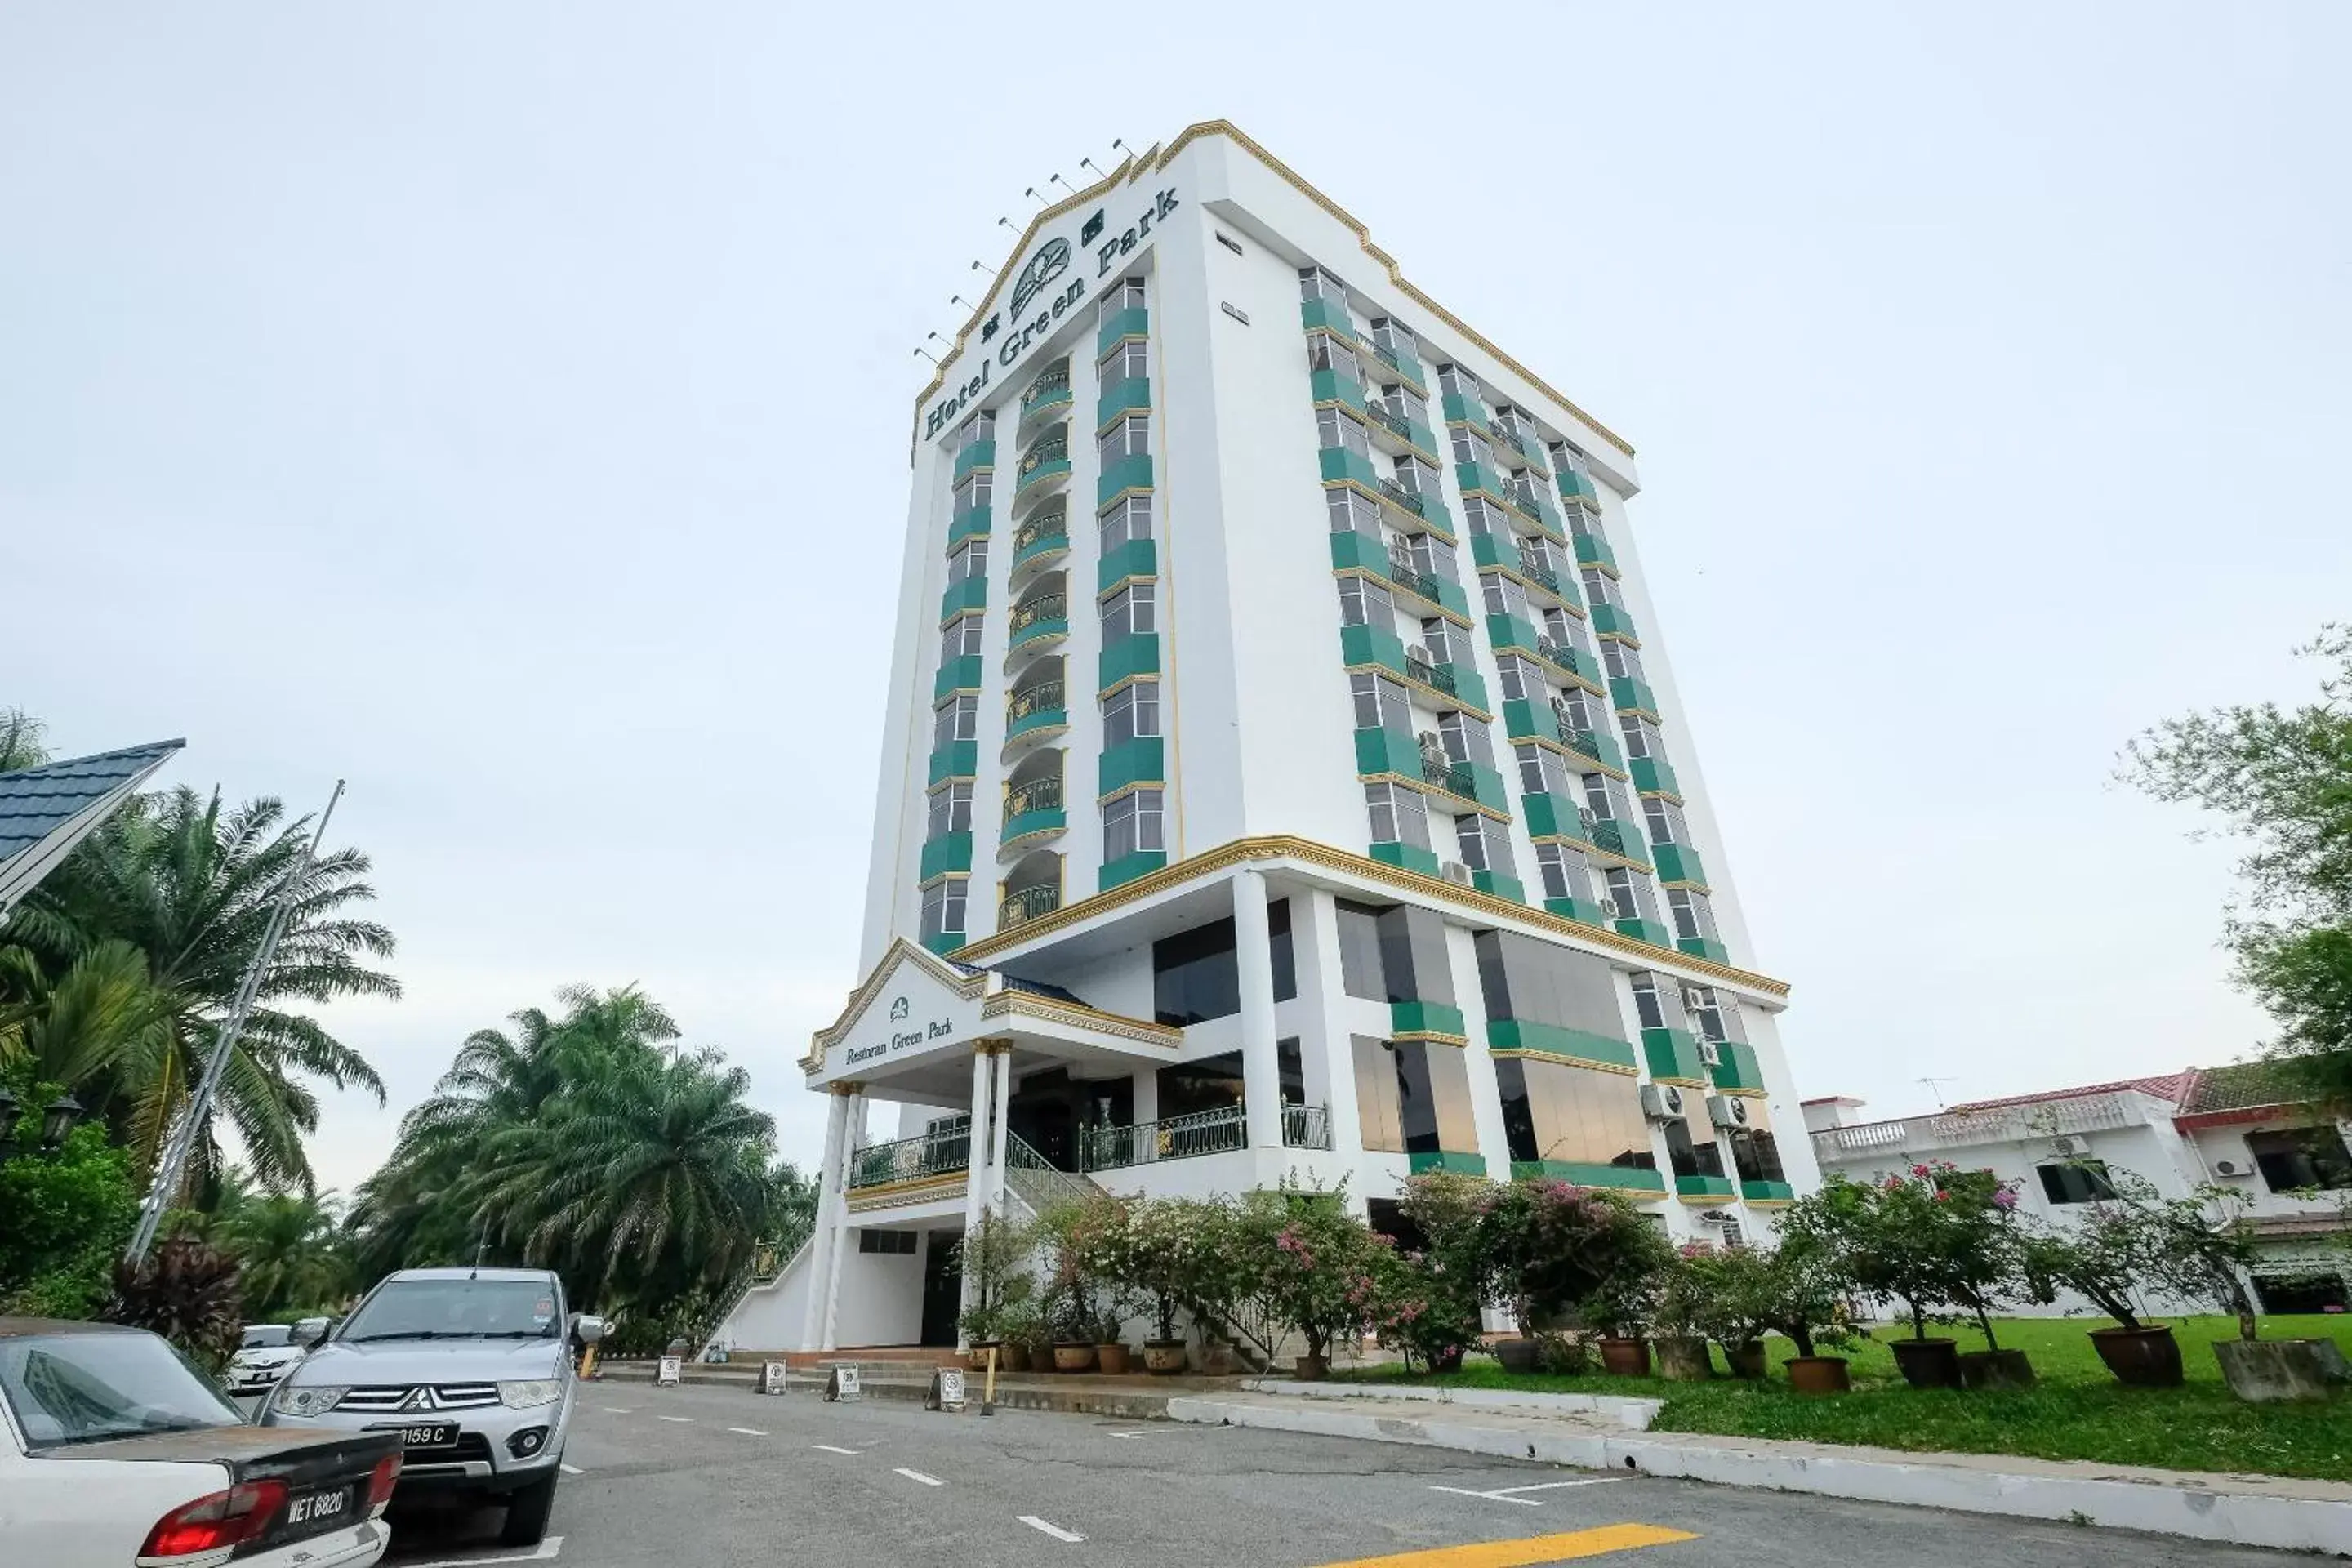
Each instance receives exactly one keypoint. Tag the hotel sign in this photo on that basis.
(1047, 265)
(913, 1016)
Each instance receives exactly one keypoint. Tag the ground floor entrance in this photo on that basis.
(942, 1287)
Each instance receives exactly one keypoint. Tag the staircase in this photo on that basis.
(1032, 1179)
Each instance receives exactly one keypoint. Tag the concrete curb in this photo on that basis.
(1138, 1404)
(2290, 1515)
(1633, 1413)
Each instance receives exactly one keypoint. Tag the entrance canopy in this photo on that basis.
(909, 1031)
(45, 811)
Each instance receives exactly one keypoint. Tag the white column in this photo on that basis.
(1261, 1063)
(999, 1142)
(974, 1180)
(826, 1237)
(853, 1139)
(1328, 1048)
(1486, 1092)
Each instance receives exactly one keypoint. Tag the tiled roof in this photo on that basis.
(1034, 988)
(2166, 1087)
(2242, 1086)
(36, 801)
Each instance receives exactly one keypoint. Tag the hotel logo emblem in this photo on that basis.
(898, 1009)
(1043, 267)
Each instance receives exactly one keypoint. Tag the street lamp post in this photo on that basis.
(55, 1121)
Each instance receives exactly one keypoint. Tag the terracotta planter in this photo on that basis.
(2143, 1358)
(1927, 1364)
(1111, 1359)
(1015, 1357)
(1747, 1360)
(1625, 1357)
(1163, 1358)
(1995, 1369)
(1683, 1359)
(1311, 1368)
(2266, 1371)
(1819, 1374)
(1073, 1357)
(1518, 1356)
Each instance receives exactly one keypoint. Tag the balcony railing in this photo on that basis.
(1305, 1127)
(941, 1150)
(1214, 1131)
(1429, 673)
(1023, 905)
(1503, 436)
(1405, 574)
(1956, 1129)
(1448, 774)
(1037, 794)
(1044, 607)
(1050, 382)
(1403, 497)
(1558, 653)
(1532, 567)
(1045, 696)
(1053, 524)
(1583, 743)
(1605, 833)
(1394, 424)
(1054, 449)
(1387, 356)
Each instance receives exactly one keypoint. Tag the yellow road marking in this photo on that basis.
(1532, 1550)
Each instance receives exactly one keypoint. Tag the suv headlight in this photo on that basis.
(530, 1392)
(315, 1400)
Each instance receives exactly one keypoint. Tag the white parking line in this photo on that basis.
(681, 1420)
(1127, 1435)
(571, 1469)
(618, 1410)
(1056, 1531)
(1507, 1494)
(748, 1431)
(919, 1476)
(546, 1549)
(830, 1449)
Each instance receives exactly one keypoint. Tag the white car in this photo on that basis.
(266, 1354)
(117, 1453)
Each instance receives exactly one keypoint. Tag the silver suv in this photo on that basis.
(471, 1366)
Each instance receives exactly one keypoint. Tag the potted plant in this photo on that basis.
(1018, 1326)
(1684, 1305)
(1160, 1262)
(1802, 1294)
(2203, 1251)
(2112, 1246)
(1633, 1260)
(1551, 1246)
(1737, 1291)
(994, 1256)
(1318, 1278)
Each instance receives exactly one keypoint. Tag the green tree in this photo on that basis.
(67, 1212)
(292, 1252)
(2281, 780)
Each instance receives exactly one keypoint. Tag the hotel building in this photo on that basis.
(1283, 772)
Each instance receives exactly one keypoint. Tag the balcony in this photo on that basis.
(1632, 695)
(1342, 466)
(1618, 1178)
(1706, 947)
(1563, 657)
(1385, 752)
(1416, 1019)
(1576, 487)
(1674, 1057)
(1578, 1046)
(1219, 1132)
(972, 522)
(1045, 535)
(1584, 912)
(1655, 775)
(1592, 550)
(1128, 867)
(1036, 709)
(948, 852)
(1408, 369)
(1127, 658)
(1509, 631)
(1329, 315)
(1479, 479)
(1048, 394)
(1022, 905)
(1121, 475)
(1430, 589)
(1679, 864)
(942, 1150)
(1459, 409)
(1403, 435)
(1611, 620)
(960, 597)
(976, 455)
(1703, 1186)
(1736, 1069)
(1135, 321)
(1536, 506)
(1417, 511)
(1140, 761)
(959, 674)
(1044, 467)
(1966, 1129)
(1641, 929)
(956, 760)
(1463, 780)
(1768, 1192)
(1031, 811)
(1135, 558)
(1039, 619)
(1121, 398)
(1406, 857)
(1529, 453)
(1500, 885)
(1463, 684)
(1331, 386)
(1454, 1162)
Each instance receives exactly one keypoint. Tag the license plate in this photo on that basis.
(436, 1434)
(320, 1506)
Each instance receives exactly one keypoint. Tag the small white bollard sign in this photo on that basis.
(667, 1375)
(946, 1392)
(841, 1383)
(772, 1377)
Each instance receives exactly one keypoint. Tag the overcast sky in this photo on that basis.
(505, 407)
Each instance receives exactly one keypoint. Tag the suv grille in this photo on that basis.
(387, 1399)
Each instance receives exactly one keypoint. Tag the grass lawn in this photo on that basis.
(2077, 1412)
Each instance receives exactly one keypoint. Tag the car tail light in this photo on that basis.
(218, 1522)
(388, 1471)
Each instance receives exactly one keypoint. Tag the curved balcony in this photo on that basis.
(1037, 709)
(1047, 396)
(1043, 537)
(1033, 889)
(1045, 467)
(1034, 810)
(1042, 618)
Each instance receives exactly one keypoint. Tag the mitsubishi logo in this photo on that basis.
(418, 1399)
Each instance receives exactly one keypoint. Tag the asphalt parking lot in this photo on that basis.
(702, 1475)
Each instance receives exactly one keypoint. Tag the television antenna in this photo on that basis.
(1931, 1083)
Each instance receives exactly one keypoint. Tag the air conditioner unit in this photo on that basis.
(1661, 1101)
(2067, 1148)
(1708, 1054)
(1693, 998)
(2232, 1168)
(1726, 1110)
(1588, 816)
(1456, 871)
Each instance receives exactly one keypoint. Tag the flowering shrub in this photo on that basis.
(1941, 1240)
(1319, 1266)
(1553, 1247)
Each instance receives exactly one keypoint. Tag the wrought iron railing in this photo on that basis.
(1449, 775)
(1051, 606)
(1053, 378)
(1583, 743)
(1039, 1182)
(941, 1150)
(1606, 833)
(1038, 795)
(1044, 696)
(1393, 423)
(1533, 568)
(1558, 653)
(1054, 449)
(1403, 497)
(1523, 497)
(1171, 1138)
(1022, 905)
(1503, 434)
(1305, 1127)
(1054, 523)
(1405, 574)
(1386, 355)
(1430, 673)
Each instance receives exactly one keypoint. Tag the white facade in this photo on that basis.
(1282, 749)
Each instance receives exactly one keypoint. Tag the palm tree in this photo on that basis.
(193, 886)
(291, 1254)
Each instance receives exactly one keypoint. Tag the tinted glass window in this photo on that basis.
(1194, 975)
(1360, 952)
(1286, 963)
(2307, 1157)
(2078, 1183)
(457, 1309)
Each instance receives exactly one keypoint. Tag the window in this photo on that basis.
(887, 1243)
(1352, 512)
(980, 427)
(1575, 709)
(1131, 361)
(1362, 972)
(1380, 703)
(1572, 1115)
(1452, 378)
(69, 1388)
(1130, 518)
(1400, 815)
(1130, 438)
(1521, 681)
(1466, 739)
(1483, 518)
(950, 809)
(958, 718)
(943, 908)
(1564, 456)
(1195, 975)
(1658, 1009)
(976, 491)
(962, 638)
(1220, 1083)
(1688, 1157)
(1314, 283)
(1432, 1090)
(1694, 916)
(1397, 339)
(1666, 818)
(1286, 977)
(1325, 352)
(1485, 844)
(2304, 1157)
(1334, 428)
(1600, 589)
(1504, 595)
(968, 560)
(1542, 772)
(1558, 626)
(1127, 612)
(1131, 824)
(1470, 446)
(2081, 1181)
(1716, 1016)
(1364, 603)
(1445, 642)
(1642, 737)
(1416, 477)
(1125, 295)
(1566, 874)
(1621, 658)
(1755, 1153)
(1132, 712)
